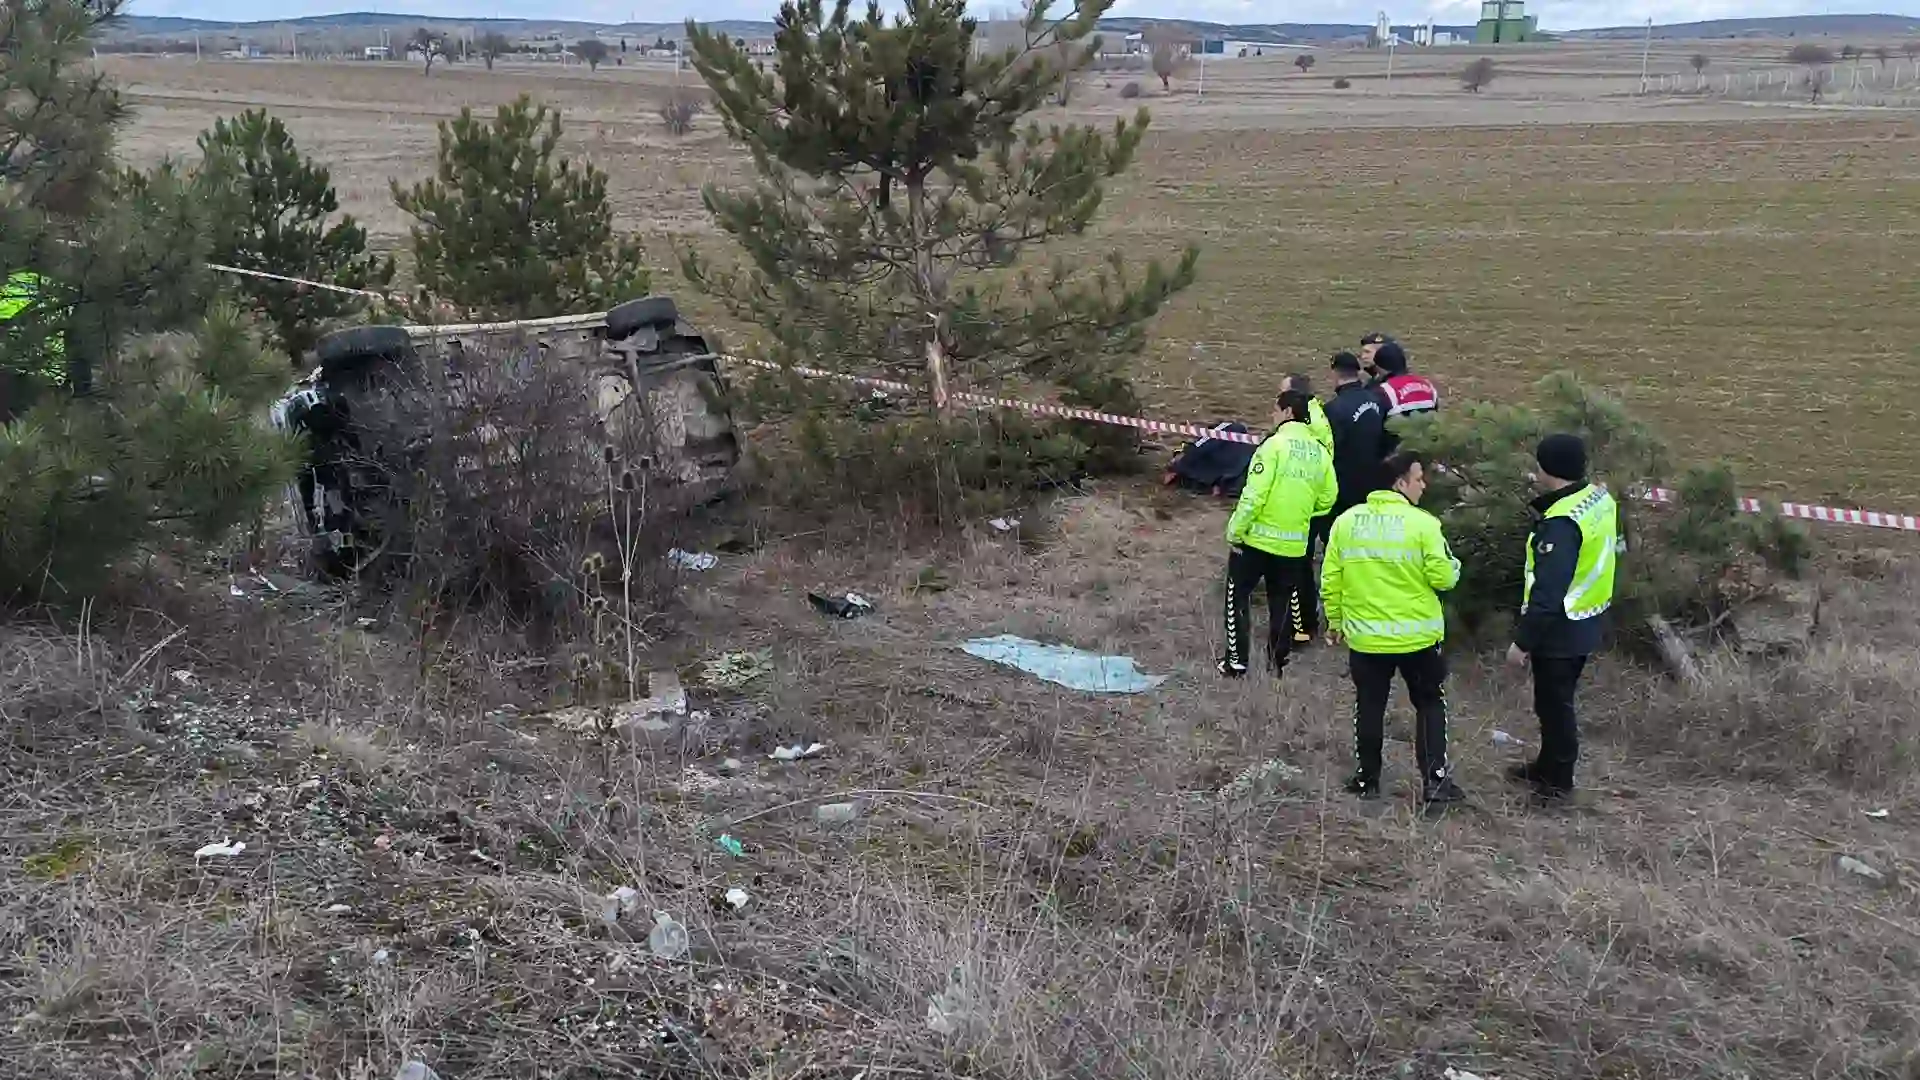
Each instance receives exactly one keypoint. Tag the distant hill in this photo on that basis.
(1857, 26)
(142, 26)
(1860, 26)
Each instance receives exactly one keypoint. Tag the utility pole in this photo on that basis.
(1203, 70)
(1646, 49)
(196, 46)
(1391, 41)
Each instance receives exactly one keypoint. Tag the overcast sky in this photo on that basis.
(1554, 14)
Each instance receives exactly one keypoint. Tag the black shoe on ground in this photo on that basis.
(1551, 794)
(1230, 669)
(1367, 787)
(1443, 790)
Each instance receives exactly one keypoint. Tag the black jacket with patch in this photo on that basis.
(1359, 441)
(1544, 629)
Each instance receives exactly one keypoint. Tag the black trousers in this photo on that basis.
(1306, 592)
(1425, 673)
(1555, 682)
(1246, 568)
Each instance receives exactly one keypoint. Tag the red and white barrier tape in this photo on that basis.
(1831, 515)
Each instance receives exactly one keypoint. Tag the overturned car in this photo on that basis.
(534, 425)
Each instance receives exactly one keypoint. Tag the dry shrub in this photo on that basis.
(1342, 84)
(1130, 91)
(525, 483)
(678, 112)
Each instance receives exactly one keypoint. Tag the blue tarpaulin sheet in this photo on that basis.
(1065, 665)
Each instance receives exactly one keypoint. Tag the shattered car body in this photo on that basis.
(643, 379)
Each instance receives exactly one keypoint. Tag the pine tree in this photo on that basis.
(111, 434)
(900, 183)
(505, 229)
(1678, 557)
(280, 223)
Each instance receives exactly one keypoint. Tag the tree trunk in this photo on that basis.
(930, 289)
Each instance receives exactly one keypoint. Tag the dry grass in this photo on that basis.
(1108, 911)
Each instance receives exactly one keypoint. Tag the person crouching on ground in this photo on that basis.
(1289, 481)
(1387, 563)
(1571, 555)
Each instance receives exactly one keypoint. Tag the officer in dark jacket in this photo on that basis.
(1356, 418)
(1358, 428)
(1571, 556)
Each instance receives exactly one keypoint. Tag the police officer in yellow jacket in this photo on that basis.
(21, 294)
(1387, 562)
(1289, 481)
(1571, 556)
(1305, 601)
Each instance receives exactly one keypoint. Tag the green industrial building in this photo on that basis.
(1503, 22)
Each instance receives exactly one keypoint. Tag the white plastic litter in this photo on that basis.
(338, 909)
(950, 1010)
(693, 560)
(621, 901)
(1004, 525)
(668, 940)
(1459, 1074)
(1880, 814)
(416, 1070)
(1854, 866)
(839, 813)
(1501, 738)
(797, 751)
(224, 848)
(737, 898)
(381, 956)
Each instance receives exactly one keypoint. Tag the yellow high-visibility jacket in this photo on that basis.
(1387, 563)
(1289, 482)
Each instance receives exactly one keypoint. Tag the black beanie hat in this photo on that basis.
(1563, 457)
(1346, 363)
(1391, 358)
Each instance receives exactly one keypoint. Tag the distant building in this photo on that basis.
(1504, 22)
(377, 52)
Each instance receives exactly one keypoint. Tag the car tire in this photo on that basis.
(348, 348)
(633, 315)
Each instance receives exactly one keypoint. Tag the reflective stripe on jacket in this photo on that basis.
(1387, 564)
(1317, 424)
(1289, 482)
(1572, 555)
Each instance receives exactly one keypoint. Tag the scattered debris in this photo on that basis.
(224, 848)
(1004, 525)
(1459, 1074)
(668, 940)
(338, 909)
(183, 676)
(1064, 665)
(732, 764)
(381, 956)
(1501, 738)
(693, 560)
(1674, 651)
(1860, 869)
(624, 900)
(839, 813)
(660, 712)
(1779, 622)
(236, 590)
(1880, 814)
(1260, 779)
(845, 606)
(797, 751)
(733, 670)
(952, 1008)
(737, 898)
(416, 1070)
(728, 844)
(694, 778)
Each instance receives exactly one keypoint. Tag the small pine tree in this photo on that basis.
(279, 222)
(900, 182)
(505, 228)
(109, 434)
(1678, 557)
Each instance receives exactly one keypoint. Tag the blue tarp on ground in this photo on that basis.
(1064, 665)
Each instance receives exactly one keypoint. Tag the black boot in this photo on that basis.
(1442, 790)
(1524, 773)
(1367, 787)
(1230, 669)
